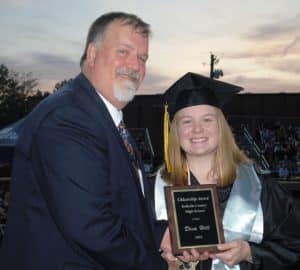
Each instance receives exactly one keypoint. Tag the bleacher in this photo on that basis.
(143, 141)
(249, 142)
(4, 196)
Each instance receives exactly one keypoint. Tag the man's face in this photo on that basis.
(117, 67)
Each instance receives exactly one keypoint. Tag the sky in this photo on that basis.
(257, 42)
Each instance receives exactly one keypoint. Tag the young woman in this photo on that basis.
(260, 219)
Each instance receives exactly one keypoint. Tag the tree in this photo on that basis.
(14, 82)
(14, 89)
(215, 73)
(61, 84)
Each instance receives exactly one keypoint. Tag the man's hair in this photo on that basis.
(100, 25)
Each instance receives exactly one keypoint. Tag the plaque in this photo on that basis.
(194, 218)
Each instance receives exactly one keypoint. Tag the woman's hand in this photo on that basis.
(233, 253)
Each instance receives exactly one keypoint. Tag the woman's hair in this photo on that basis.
(227, 158)
(100, 25)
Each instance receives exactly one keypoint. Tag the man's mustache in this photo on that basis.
(133, 75)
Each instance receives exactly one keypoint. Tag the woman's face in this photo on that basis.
(198, 131)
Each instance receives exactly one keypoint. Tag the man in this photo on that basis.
(76, 200)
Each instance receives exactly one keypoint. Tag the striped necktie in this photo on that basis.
(127, 139)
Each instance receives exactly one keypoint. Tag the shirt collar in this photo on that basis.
(117, 115)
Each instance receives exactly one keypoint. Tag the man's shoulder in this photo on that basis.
(64, 98)
(55, 102)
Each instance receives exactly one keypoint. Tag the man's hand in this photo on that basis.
(192, 255)
(165, 246)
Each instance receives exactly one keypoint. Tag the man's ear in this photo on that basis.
(91, 54)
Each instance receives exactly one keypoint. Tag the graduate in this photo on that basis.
(260, 218)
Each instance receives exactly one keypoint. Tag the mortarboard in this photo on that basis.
(190, 90)
(206, 91)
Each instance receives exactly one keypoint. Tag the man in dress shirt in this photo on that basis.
(76, 202)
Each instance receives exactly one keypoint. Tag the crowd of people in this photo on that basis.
(143, 143)
(4, 199)
(280, 144)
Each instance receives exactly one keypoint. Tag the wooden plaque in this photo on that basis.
(194, 218)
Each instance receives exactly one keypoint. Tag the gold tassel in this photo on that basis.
(166, 139)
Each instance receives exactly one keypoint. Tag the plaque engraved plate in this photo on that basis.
(194, 218)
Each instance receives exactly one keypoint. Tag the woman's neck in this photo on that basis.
(200, 167)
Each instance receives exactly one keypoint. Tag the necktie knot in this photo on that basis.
(123, 130)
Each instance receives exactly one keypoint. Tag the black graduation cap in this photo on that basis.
(190, 90)
(195, 89)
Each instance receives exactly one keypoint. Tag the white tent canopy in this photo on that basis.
(9, 134)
